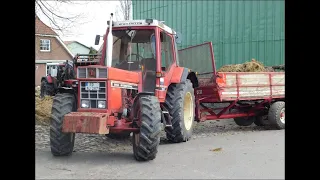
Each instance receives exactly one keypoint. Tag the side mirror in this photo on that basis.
(96, 42)
(178, 37)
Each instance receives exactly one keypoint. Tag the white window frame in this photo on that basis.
(48, 64)
(48, 46)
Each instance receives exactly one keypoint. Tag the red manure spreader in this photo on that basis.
(247, 97)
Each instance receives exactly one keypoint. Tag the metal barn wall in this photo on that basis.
(239, 30)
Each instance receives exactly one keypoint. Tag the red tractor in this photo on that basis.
(50, 83)
(137, 86)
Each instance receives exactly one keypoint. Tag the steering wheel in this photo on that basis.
(137, 55)
(126, 60)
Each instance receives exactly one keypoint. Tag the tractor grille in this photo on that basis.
(82, 72)
(93, 95)
(101, 73)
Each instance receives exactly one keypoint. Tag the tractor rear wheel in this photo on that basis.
(42, 88)
(146, 142)
(46, 89)
(50, 90)
(61, 143)
(276, 115)
(180, 103)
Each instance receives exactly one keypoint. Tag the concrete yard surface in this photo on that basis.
(242, 155)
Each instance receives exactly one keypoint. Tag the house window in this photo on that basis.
(44, 45)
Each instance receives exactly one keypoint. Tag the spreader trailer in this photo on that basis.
(247, 97)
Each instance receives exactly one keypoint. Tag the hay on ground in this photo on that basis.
(43, 108)
(37, 91)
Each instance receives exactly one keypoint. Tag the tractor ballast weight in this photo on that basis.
(135, 86)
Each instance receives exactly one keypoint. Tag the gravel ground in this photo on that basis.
(219, 150)
(101, 143)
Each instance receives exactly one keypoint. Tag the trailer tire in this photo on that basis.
(261, 120)
(61, 143)
(244, 121)
(145, 143)
(180, 102)
(276, 115)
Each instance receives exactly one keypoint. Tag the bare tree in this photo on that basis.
(123, 11)
(51, 11)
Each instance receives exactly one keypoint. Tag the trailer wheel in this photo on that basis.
(276, 115)
(180, 102)
(261, 120)
(244, 121)
(61, 143)
(146, 142)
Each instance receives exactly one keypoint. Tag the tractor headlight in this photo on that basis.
(101, 104)
(85, 103)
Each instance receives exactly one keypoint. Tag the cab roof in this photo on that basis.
(143, 22)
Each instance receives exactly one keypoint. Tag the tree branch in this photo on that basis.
(58, 21)
(66, 18)
(125, 8)
(52, 21)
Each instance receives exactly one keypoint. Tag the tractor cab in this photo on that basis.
(134, 48)
(146, 46)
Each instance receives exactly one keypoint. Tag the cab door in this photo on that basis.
(168, 58)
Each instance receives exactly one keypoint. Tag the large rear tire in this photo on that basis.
(276, 115)
(46, 89)
(43, 89)
(61, 143)
(180, 103)
(146, 142)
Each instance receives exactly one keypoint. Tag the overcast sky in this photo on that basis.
(93, 20)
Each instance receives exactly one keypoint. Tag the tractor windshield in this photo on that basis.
(132, 49)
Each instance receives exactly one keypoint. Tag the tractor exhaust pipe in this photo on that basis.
(109, 48)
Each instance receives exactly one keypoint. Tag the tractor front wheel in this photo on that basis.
(180, 103)
(146, 142)
(61, 143)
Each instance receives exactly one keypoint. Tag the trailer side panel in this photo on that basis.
(253, 85)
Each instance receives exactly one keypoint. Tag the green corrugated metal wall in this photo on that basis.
(239, 30)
